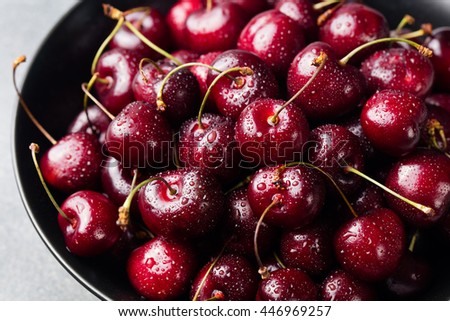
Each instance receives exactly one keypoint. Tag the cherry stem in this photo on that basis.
(425, 209)
(209, 5)
(277, 258)
(141, 69)
(422, 49)
(34, 150)
(412, 244)
(263, 271)
(425, 29)
(24, 105)
(323, 4)
(245, 71)
(327, 14)
(161, 105)
(124, 211)
(320, 63)
(341, 193)
(406, 20)
(85, 89)
(433, 126)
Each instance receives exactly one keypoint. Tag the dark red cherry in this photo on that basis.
(90, 227)
(161, 269)
(232, 97)
(239, 227)
(441, 100)
(439, 43)
(209, 145)
(343, 84)
(176, 20)
(180, 93)
(400, 69)
(118, 68)
(352, 25)
(309, 248)
(232, 278)
(287, 284)
(303, 13)
(342, 286)
(367, 199)
(152, 25)
(275, 38)
(392, 121)
(412, 276)
(251, 7)
(264, 141)
(185, 56)
(370, 247)
(301, 192)
(97, 123)
(422, 177)
(73, 163)
(216, 28)
(139, 137)
(333, 147)
(190, 204)
(353, 123)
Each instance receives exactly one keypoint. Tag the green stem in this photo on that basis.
(86, 91)
(406, 20)
(323, 4)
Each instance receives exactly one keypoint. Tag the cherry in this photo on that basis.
(229, 277)
(333, 148)
(351, 25)
(251, 7)
(185, 56)
(299, 191)
(152, 25)
(139, 137)
(117, 68)
(303, 13)
(400, 69)
(392, 121)
(342, 286)
(215, 28)
(231, 96)
(190, 204)
(422, 177)
(180, 91)
(239, 226)
(309, 248)
(370, 247)
(439, 43)
(161, 269)
(96, 124)
(287, 285)
(275, 38)
(176, 20)
(368, 198)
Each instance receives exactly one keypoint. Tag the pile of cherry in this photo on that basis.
(253, 149)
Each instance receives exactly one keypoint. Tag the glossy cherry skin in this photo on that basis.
(180, 93)
(367, 199)
(231, 98)
(344, 85)
(275, 38)
(340, 285)
(118, 66)
(309, 248)
(263, 142)
(301, 191)
(193, 211)
(96, 125)
(152, 25)
(91, 227)
(303, 13)
(185, 56)
(251, 7)
(73, 163)
(139, 137)
(352, 25)
(439, 43)
(422, 177)
(233, 278)
(239, 227)
(216, 29)
(287, 284)
(400, 69)
(211, 147)
(161, 269)
(333, 148)
(176, 20)
(370, 247)
(353, 123)
(392, 120)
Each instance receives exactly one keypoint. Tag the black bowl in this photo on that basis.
(52, 89)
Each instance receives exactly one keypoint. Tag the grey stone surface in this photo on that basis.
(28, 271)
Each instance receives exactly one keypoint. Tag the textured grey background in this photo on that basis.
(28, 271)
